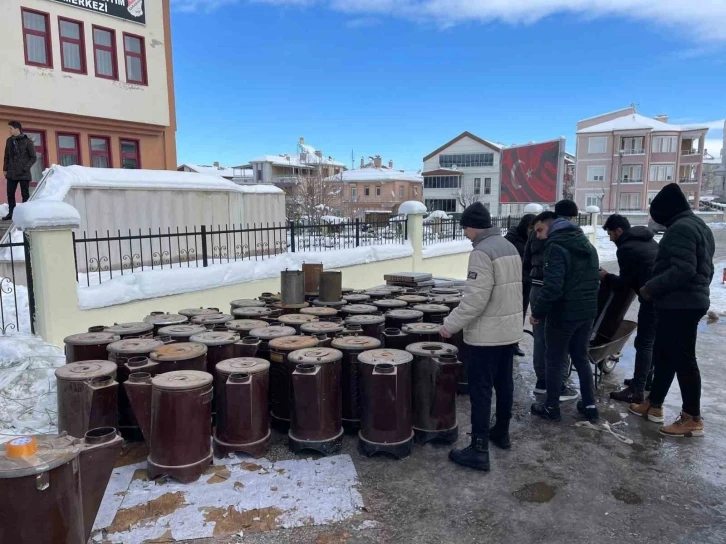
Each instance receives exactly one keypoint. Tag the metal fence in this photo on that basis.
(17, 301)
(100, 258)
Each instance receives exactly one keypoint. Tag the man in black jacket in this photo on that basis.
(19, 158)
(517, 236)
(636, 256)
(569, 302)
(680, 289)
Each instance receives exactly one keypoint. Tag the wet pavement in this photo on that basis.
(558, 483)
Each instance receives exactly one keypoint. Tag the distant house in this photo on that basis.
(720, 184)
(231, 173)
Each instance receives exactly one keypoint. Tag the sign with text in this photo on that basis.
(129, 10)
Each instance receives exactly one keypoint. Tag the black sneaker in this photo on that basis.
(500, 438)
(540, 388)
(648, 382)
(518, 351)
(628, 395)
(8, 217)
(568, 393)
(546, 412)
(475, 456)
(591, 414)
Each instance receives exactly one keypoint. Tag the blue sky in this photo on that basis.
(401, 77)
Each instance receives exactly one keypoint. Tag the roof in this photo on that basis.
(465, 134)
(376, 174)
(636, 121)
(223, 171)
(629, 109)
(294, 160)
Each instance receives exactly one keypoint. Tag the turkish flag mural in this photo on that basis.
(529, 173)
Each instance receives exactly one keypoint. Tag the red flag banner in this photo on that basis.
(529, 173)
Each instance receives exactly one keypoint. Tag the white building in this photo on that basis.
(286, 169)
(232, 173)
(460, 172)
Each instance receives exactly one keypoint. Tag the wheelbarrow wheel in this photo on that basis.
(608, 365)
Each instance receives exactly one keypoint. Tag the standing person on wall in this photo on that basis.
(517, 236)
(490, 314)
(680, 290)
(568, 300)
(19, 158)
(636, 256)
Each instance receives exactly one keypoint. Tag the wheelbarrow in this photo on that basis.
(604, 354)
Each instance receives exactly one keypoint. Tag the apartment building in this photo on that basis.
(91, 82)
(287, 169)
(720, 187)
(375, 189)
(624, 159)
(461, 172)
(236, 174)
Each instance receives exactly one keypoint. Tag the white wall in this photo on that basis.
(51, 89)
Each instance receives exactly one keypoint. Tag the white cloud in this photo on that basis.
(702, 21)
(713, 125)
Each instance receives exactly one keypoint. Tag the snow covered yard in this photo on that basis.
(718, 290)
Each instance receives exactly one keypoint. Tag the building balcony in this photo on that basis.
(631, 181)
(632, 151)
(689, 152)
(687, 180)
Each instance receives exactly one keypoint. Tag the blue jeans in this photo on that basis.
(568, 338)
(490, 367)
(538, 359)
(647, 325)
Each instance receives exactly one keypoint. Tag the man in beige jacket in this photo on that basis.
(490, 314)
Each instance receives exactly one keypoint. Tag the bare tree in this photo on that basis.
(314, 195)
(466, 196)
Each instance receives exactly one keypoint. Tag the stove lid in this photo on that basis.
(421, 328)
(179, 352)
(404, 314)
(432, 349)
(247, 303)
(130, 328)
(444, 291)
(359, 309)
(356, 297)
(386, 303)
(44, 453)
(432, 308)
(246, 325)
(268, 333)
(135, 346)
(215, 319)
(166, 319)
(193, 312)
(385, 356)
(296, 319)
(412, 299)
(181, 380)
(319, 311)
(365, 320)
(215, 338)
(251, 312)
(356, 343)
(291, 343)
(175, 331)
(379, 292)
(86, 370)
(315, 356)
(317, 327)
(445, 299)
(92, 338)
(243, 365)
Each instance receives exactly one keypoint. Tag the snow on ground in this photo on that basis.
(446, 248)
(606, 250)
(718, 290)
(159, 283)
(27, 385)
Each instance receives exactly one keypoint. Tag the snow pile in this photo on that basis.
(446, 248)
(717, 226)
(46, 213)
(158, 283)
(718, 290)
(606, 250)
(412, 207)
(4, 209)
(27, 385)
(437, 215)
(333, 220)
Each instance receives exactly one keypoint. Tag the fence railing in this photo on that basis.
(101, 258)
(17, 301)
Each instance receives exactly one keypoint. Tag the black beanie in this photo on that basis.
(668, 203)
(566, 208)
(476, 216)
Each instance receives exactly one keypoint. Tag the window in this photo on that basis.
(632, 173)
(687, 173)
(632, 146)
(378, 191)
(477, 186)
(130, 157)
(367, 191)
(630, 201)
(661, 172)
(135, 54)
(592, 200)
(442, 182)
(100, 152)
(690, 147)
(664, 144)
(38, 137)
(467, 160)
(68, 150)
(487, 186)
(415, 191)
(353, 193)
(596, 173)
(400, 192)
(651, 196)
(73, 48)
(104, 52)
(444, 204)
(598, 145)
(36, 38)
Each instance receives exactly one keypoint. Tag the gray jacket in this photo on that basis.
(490, 312)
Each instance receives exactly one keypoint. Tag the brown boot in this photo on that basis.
(686, 425)
(647, 411)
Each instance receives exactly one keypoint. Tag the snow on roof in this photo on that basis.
(636, 121)
(59, 180)
(376, 174)
(224, 171)
(45, 213)
(311, 160)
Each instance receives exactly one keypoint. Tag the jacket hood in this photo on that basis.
(642, 234)
(668, 203)
(522, 228)
(570, 236)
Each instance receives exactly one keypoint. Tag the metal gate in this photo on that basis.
(17, 300)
